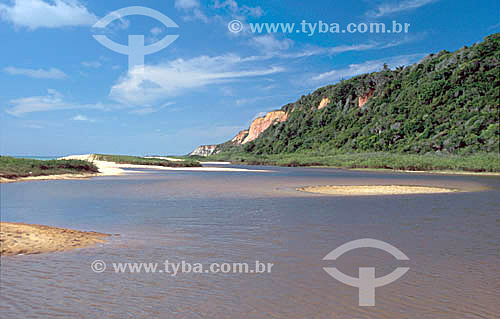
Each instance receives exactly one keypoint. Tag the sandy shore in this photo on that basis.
(374, 190)
(115, 169)
(47, 177)
(19, 238)
(112, 169)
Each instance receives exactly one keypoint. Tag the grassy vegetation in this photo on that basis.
(12, 168)
(487, 162)
(125, 159)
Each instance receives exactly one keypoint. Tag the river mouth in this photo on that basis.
(451, 240)
(370, 190)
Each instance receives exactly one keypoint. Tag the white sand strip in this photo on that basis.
(113, 169)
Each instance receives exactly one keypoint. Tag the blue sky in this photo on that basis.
(62, 92)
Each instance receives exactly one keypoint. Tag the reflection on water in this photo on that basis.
(451, 240)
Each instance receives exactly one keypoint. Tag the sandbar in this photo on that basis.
(369, 190)
(21, 239)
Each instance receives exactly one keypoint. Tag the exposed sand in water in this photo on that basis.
(374, 190)
(19, 238)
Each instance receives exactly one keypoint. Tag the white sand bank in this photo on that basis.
(113, 169)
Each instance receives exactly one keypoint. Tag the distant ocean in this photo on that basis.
(42, 158)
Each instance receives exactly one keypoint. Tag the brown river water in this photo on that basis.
(451, 241)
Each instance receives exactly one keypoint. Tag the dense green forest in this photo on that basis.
(448, 103)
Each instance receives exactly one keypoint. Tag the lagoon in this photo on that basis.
(451, 240)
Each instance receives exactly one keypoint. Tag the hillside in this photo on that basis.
(448, 103)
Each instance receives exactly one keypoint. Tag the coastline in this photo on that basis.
(115, 169)
(23, 239)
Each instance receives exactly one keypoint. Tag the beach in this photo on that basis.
(24, 239)
(107, 168)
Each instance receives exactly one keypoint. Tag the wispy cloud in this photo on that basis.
(92, 64)
(237, 11)
(148, 109)
(191, 9)
(53, 101)
(34, 14)
(269, 43)
(51, 73)
(178, 76)
(366, 67)
(82, 118)
(317, 51)
(396, 7)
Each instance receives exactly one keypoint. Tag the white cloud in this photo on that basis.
(238, 11)
(175, 77)
(313, 51)
(395, 7)
(51, 73)
(269, 43)
(53, 101)
(366, 67)
(34, 14)
(148, 110)
(82, 118)
(92, 64)
(192, 9)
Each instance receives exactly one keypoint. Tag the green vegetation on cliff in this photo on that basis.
(445, 107)
(12, 168)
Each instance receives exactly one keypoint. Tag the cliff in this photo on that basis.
(446, 103)
(261, 124)
(204, 150)
(240, 137)
(324, 103)
(362, 100)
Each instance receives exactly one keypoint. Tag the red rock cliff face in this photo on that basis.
(362, 100)
(238, 139)
(260, 124)
(324, 103)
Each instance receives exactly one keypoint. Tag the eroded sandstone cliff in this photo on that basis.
(260, 124)
(204, 150)
(240, 137)
(324, 103)
(362, 100)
